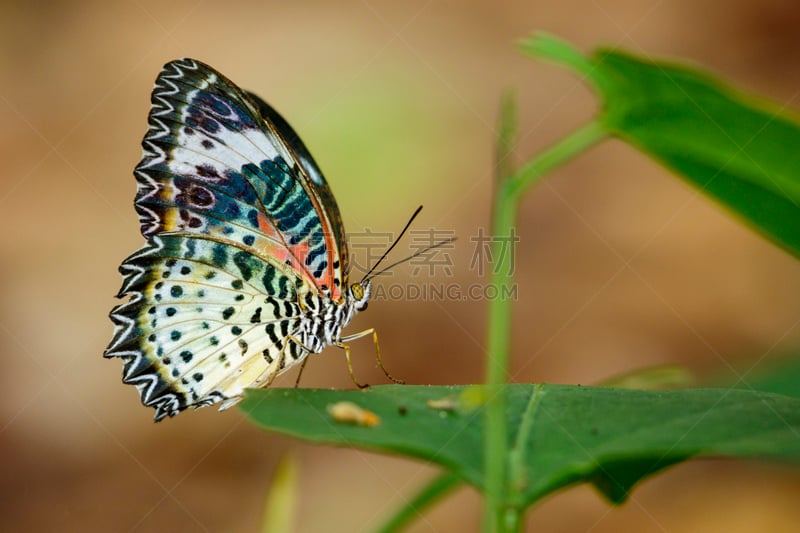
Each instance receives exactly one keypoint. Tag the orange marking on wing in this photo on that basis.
(266, 227)
(328, 277)
(169, 221)
(330, 247)
(295, 254)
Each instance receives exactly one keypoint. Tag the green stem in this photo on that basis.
(498, 515)
(440, 486)
(576, 142)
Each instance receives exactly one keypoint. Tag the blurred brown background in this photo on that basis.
(619, 266)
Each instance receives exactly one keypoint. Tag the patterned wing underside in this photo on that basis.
(214, 166)
(206, 321)
(236, 233)
(321, 191)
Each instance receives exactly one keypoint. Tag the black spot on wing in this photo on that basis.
(219, 255)
(252, 217)
(270, 330)
(276, 310)
(268, 279)
(320, 269)
(283, 287)
(245, 263)
(314, 253)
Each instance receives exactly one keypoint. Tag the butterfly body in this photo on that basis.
(244, 272)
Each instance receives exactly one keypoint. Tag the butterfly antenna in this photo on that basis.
(410, 220)
(412, 256)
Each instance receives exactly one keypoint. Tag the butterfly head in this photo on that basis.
(360, 293)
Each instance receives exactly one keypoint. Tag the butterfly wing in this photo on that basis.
(206, 320)
(330, 217)
(216, 163)
(240, 226)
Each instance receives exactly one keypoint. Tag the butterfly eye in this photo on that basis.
(357, 290)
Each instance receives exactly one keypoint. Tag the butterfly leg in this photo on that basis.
(377, 352)
(346, 348)
(299, 374)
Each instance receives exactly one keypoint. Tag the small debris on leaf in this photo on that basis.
(445, 404)
(350, 413)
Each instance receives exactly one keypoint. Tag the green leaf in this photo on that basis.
(558, 434)
(740, 151)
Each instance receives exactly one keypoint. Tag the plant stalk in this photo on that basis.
(435, 490)
(499, 515)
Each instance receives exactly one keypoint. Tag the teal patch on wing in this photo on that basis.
(215, 165)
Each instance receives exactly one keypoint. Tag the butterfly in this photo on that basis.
(244, 272)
